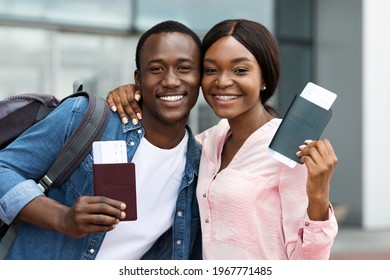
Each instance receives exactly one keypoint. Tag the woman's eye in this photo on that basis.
(240, 70)
(210, 70)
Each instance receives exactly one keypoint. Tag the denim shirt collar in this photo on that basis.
(130, 127)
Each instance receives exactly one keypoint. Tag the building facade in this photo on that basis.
(338, 44)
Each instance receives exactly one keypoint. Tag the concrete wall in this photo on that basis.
(376, 116)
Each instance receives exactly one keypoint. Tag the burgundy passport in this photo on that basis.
(117, 181)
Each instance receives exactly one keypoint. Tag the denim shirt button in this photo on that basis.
(132, 143)
(178, 242)
(139, 131)
(179, 213)
(91, 251)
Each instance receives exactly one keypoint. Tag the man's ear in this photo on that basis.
(137, 77)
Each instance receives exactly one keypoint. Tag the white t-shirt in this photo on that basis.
(158, 176)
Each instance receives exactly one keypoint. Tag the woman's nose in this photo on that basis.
(224, 81)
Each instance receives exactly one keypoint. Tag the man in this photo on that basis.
(71, 223)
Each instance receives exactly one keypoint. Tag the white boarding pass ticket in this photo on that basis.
(109, 152)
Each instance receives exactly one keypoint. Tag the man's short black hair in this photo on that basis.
(168, 26)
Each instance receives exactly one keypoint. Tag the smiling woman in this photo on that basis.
(251, 206)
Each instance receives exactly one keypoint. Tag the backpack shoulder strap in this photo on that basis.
(79, 144)
(8, 238)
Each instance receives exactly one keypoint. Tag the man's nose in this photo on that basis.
(171, 80)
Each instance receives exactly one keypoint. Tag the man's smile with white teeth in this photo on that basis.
(225, 97)
(172, 98)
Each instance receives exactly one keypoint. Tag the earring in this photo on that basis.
(264, 88)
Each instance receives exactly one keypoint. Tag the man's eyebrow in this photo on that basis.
(180, 59)
(186, 59)
(155, 60)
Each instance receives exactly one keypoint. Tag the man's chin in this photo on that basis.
(174, 119)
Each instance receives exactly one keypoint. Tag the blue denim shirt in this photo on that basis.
(26, 160)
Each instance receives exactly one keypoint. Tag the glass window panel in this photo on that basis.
(97, 13)
(24, 58)
(201, 15)
(295, 72)
(295, 18)
(100, 62)
(48, 61)
(12, 75)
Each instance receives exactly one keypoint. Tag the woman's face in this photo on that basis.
(232, 79)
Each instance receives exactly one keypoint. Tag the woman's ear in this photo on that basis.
(263, 87)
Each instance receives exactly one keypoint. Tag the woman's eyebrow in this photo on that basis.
(235, 60)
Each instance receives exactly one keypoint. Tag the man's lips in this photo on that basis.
(172, 98)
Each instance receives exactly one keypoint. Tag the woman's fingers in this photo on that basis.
(124, 100)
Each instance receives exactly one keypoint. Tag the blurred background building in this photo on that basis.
(342, 45)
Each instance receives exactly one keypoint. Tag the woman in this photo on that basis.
(252, 206)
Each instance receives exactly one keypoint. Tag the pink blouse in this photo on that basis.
(255, 208)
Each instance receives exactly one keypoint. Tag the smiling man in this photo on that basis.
(162, 146)
(168, 75)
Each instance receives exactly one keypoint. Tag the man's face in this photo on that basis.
(169, 77)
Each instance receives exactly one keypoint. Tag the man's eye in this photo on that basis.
(185, 68)
(157, 69)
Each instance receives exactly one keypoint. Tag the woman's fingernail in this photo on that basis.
(302, 146)
(134, 121)
(139, 116)
(125, 120)
(308, 141)
(113, 108)
(298, 153)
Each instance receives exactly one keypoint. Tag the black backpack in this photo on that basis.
(18, 113)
